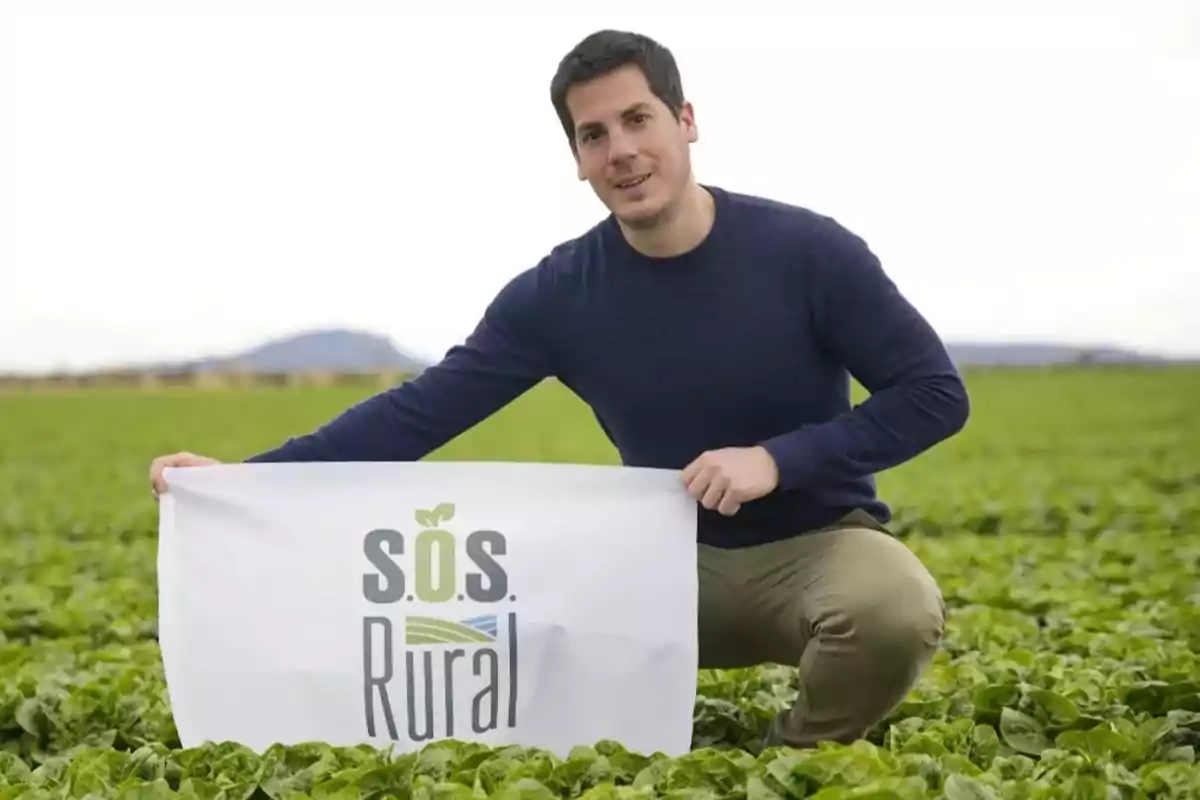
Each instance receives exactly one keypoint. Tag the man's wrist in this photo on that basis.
(771, 462)
(793, 456)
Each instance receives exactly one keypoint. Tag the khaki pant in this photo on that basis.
(850, 605)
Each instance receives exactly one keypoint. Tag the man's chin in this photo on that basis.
(637, 215)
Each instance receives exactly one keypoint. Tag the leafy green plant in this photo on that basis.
(1063, 525)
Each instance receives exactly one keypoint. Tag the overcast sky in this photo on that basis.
(184, 178)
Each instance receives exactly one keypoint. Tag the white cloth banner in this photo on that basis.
(397, 604)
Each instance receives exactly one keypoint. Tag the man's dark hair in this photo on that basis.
(606, 51)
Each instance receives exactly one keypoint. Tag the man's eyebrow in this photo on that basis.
(585, 127)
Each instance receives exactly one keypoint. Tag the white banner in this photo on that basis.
(397, 604)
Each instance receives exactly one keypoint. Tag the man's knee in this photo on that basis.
(895, 616)
(900, 620)
(886, 602)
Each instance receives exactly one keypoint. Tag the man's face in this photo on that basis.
(630, 148)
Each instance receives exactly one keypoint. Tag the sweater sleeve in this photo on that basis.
(917, 398)
(503, 357)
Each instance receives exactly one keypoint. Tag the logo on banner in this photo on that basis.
(451, 657)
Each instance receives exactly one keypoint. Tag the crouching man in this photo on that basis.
(715, 333)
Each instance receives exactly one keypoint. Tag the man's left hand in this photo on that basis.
(725, 479)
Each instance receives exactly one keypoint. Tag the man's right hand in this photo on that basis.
(157, 484)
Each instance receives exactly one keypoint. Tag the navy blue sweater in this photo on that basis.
(748, 339)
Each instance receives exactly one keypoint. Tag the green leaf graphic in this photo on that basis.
(443, 513)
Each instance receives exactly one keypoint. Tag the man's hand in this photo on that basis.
(157, 484)
(724, 479)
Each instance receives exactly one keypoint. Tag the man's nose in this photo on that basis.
(621, 146)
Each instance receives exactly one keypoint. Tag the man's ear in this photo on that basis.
(687, 118)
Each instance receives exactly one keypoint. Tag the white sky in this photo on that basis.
(172, 167)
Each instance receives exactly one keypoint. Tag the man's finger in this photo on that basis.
(699, 484)
(692, 470)
(717, 489)
(729, 504)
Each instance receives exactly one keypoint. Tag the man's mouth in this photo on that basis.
(629, 183)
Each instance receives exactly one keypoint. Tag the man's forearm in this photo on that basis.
(891, 427)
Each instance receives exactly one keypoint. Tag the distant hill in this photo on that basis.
(1043, 354)
(341, 350)
(355, 351)
(336, 350)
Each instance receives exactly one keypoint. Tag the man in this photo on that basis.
(714, 333)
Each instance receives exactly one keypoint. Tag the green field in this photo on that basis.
(1063, 524)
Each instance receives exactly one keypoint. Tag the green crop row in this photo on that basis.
(1063, 525)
